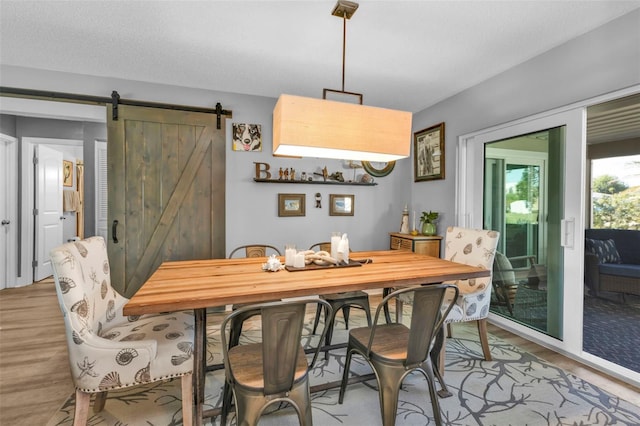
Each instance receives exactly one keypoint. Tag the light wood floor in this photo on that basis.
(34, 371)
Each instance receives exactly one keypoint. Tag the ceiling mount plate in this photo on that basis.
(344, 9)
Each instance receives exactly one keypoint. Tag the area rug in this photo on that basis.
(610, 327)
(516, 388)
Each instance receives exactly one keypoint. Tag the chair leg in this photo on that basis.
(329, 335)
(98, 403)
(441, 356)
(187, 399)
(484, 338)
(235, 332)
(316, 321)
(432, 392)
(399, 305)
(227, 398)
(82, 408)
(367, 312)
(300, 394)
(345, 375)
(345, 313)
(389, 382)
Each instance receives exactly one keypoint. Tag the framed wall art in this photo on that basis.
(428, 153)
(291, 205)
(67, 173)
(341, 205)
(246, 137)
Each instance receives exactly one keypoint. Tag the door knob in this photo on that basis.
(63, 218)
(6, 222)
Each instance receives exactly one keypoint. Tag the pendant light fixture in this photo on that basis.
(323, 128)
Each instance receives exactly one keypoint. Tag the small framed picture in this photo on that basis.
(341, 205)
(67, 173)
(247, 137)
(428, 153)
(291, 205)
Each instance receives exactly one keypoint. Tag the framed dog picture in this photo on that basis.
(246, 137)
(428, 153)
(291, 205)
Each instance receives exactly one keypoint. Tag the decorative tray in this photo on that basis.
(313, 266)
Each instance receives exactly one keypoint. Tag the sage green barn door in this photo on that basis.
(166, 191)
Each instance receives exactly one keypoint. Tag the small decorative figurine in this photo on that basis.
(318, 200)
(292, 174)
(280, 173)
(286, 174)
(404, 226)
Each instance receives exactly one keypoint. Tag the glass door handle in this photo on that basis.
(567, 229)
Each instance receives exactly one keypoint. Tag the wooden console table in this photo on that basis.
(422, 244)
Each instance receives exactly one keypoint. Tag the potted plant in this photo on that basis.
(428, 220)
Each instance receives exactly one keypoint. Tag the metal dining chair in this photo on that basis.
(340, 301)
(249, 250)
(394, 350)
(254, 250)
(274, 370)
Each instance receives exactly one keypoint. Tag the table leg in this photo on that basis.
(199, 361)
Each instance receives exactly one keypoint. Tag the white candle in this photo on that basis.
(289, 255)
(335, 240)
(298, 261)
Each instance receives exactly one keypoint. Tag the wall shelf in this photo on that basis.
(314, 182)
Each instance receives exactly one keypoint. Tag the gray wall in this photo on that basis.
(251, 208)
(598, 62)
(8, 125)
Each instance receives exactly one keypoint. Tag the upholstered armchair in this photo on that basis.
(476, 247)
(107, 350)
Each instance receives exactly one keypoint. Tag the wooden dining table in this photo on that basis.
(200, 284)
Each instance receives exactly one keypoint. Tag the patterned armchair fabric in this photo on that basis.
(476, 247)
(106, 349)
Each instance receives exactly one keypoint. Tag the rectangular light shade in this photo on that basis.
(308, 127)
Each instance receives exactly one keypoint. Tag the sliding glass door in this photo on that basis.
(516, 203)
(523, 180)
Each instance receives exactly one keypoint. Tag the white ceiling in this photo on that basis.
(403, 55)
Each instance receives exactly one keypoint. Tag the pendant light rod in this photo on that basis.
(345, 10)
(344, 45)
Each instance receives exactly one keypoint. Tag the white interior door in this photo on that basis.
(4, 228)
(48, 207)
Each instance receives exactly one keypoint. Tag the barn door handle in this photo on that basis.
(114, 231)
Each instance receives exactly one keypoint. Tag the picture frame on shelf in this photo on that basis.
(291, 205)
(67, 173)
(428, 153)
(341, 204)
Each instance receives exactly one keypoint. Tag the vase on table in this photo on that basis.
(428, 228)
